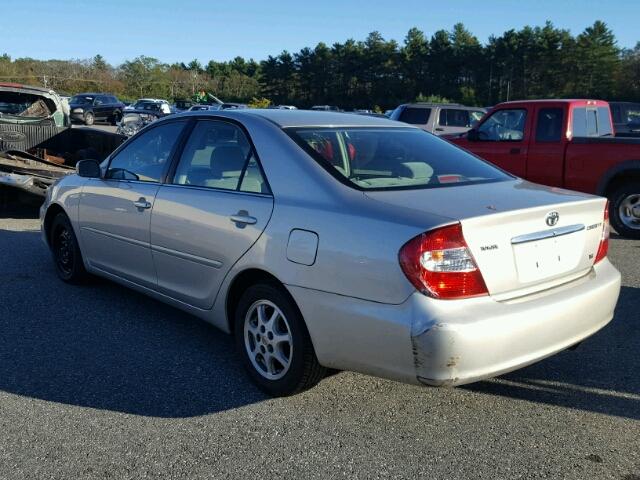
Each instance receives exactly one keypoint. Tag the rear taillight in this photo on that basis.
(439, 264)
(603, 248)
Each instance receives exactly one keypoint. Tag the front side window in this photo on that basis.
(219, 155)
(549, 125)
(504, 126)
(147, 156)
(415, 115)
(388, 158)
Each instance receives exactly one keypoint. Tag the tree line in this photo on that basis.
(532, 62)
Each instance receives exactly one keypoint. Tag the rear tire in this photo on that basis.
(89, 119)
(273, 342)
(116, 117)
(66, 251)
(624, 210)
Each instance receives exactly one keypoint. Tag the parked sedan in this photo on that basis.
(329, 240)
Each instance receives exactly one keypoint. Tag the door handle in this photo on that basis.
(243, 218)
(514, 151)
(438, 129)
(142, 203)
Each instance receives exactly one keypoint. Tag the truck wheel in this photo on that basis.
(116, 117)
(273, 341)
(624, 210)
(89, 118)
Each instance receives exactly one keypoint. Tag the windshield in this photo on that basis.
(27, 105)
(386, 158)
(82, 100)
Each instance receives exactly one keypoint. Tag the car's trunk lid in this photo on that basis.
(510, 230)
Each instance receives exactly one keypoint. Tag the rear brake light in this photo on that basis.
(439, 264)
(603, 248)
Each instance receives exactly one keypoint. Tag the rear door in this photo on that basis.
(100, 107)
(547, 146)
(503, 139)
(115, 211)
(209, 213)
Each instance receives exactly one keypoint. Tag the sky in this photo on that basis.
(181, 30)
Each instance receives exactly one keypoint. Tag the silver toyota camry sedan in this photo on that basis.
(325, 240)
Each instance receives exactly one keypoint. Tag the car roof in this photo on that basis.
(573, 101)
(457, 106)
(310, 118)
(19, 86)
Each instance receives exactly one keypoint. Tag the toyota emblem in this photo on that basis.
(552, 218)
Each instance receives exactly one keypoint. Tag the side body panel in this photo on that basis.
(114, 232)
(195, 242)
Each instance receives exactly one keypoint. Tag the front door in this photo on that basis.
(503, 140)
(209, 213)
(115, 211)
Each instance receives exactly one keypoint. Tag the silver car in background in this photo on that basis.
(439, 118)
(329, 240)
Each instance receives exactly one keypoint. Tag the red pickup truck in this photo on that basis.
(564, 143)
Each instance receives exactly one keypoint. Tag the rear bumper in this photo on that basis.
(448, 343)
(492, 338)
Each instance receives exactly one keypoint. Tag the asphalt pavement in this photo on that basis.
(98, 381)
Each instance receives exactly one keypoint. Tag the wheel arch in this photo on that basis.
(241, 282)
(618, 175)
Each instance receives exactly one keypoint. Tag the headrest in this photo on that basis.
(226, 158)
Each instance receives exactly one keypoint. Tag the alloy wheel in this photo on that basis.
(268, 340)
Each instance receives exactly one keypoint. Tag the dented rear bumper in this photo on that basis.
(488, 338)
(453, 342)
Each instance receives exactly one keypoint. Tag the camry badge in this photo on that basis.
(552, 218)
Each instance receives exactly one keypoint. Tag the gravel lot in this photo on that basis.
(101, 382)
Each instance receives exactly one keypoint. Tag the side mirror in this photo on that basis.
(88, 169)
(473, 135)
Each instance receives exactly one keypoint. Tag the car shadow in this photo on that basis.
(104, 346)
(601, 375)
(107, 347)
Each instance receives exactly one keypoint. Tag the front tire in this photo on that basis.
(624, 211)
(66, 252)
(89, 119)
(273, 342)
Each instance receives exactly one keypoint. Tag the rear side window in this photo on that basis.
(549, 125)
(146, 158)
(415, 115)
(450, 117)
(218, 155)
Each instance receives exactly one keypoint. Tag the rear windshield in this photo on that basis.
(388, 158)
(415, 116)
